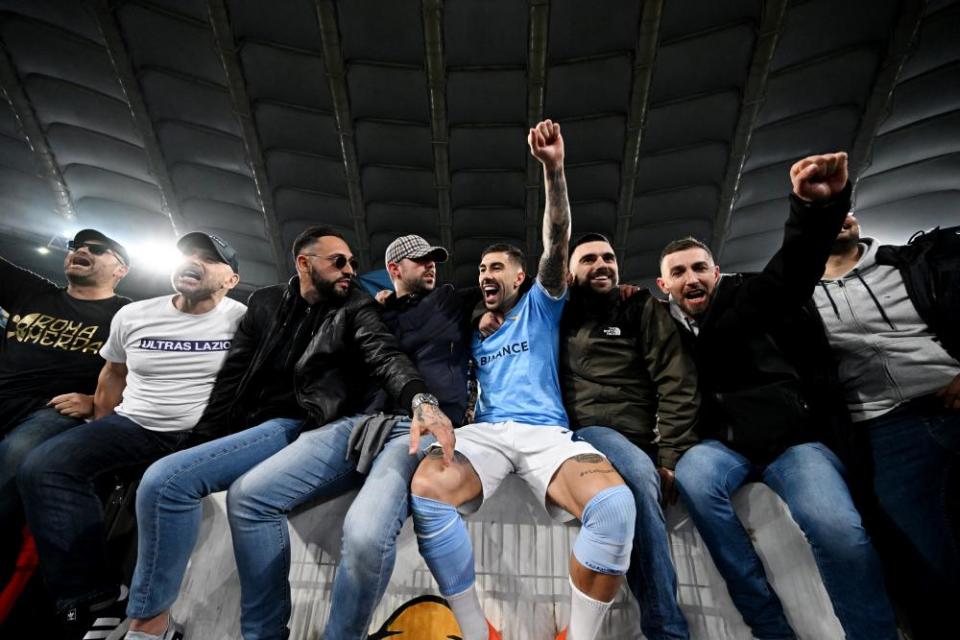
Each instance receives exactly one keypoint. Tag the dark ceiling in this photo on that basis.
(253, 119)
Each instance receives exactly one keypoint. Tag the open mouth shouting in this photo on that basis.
(81, 261)
(190, 275)
(491, 293)
(694, 298)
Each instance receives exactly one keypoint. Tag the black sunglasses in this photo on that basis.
(338, 259)
(95, 249)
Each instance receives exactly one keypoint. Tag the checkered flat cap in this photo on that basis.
(413, 247)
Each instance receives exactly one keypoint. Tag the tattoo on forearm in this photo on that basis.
(556, 232)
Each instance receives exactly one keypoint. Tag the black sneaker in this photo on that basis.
(94, 622)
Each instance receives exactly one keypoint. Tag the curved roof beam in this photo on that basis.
(35, 137)
(227, 51)
(337, 81)
(437, 88)
(536, 81)
(903, 38)
(771, 26)
(126, 77)
(643, 61)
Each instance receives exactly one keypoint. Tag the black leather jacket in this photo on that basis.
(350, 345)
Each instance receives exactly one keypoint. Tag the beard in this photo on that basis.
(599, 271)
(419, 285)
(81, 280)
(326, 288)
(844, 245)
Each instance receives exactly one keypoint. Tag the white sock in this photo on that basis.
(586, 615)
(466, 608)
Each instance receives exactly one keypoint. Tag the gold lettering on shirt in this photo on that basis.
(56, 333)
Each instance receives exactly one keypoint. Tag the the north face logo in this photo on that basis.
(611, 331)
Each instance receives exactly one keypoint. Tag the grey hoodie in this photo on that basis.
(887, 354)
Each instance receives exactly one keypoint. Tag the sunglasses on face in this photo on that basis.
(95, 249)
(338, 260)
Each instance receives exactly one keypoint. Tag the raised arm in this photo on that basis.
(546, 145)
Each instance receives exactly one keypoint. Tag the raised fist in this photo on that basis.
(819, 177)
(546, 144)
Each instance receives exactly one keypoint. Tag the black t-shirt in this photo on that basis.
(52, 340)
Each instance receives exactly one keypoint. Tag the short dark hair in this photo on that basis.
(515, 253)
(311, 234)
(589, 237)
(682, 245)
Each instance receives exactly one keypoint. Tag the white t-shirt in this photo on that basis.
(172, 359)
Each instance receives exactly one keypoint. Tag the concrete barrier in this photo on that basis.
(521, 572)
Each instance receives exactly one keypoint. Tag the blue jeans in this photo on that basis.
(169, 511)
(36, 428)
(65, 515)
(651, 576)
(315, 466)
(915, 452)
(810, 479)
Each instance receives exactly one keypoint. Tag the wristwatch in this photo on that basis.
(424, 398)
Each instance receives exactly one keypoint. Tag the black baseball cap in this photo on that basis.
(92, 234)
(199, 239)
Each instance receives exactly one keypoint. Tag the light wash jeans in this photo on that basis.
(651, 576)
(810, 479)
(169, 511)
(316, 466)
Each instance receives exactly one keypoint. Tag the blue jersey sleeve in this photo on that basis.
(545, 304)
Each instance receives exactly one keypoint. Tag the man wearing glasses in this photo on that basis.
(303, 357)
(162, 357)
(50, 359)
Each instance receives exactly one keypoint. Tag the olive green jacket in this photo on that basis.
(623, 365)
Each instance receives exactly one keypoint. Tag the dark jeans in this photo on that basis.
(57, 483)
(15, 446)
(916, 461)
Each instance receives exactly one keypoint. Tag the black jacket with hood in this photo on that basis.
(767, 377)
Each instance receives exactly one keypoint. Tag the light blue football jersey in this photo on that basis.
(518, 366)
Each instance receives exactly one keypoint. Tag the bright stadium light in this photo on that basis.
(43, 250)
(156, 257)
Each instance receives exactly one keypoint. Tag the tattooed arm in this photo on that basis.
(546, 145)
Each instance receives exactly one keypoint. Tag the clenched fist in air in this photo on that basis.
(819, 177)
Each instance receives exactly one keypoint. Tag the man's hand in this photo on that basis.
(819, 177)
(428, 418)
(668, 486)
(951, 395)
(627, 291)
(382, 296)
(73, 405)
(489, 323)
(546, 144)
